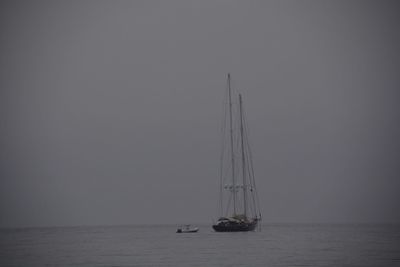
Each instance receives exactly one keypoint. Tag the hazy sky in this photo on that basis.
(111, 110)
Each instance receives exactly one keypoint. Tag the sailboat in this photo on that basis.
(238, 202)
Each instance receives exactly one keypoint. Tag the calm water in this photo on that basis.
(275, 245)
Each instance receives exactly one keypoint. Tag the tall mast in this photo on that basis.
(243, 157)
(232, 154)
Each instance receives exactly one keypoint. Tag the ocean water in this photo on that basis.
(276, 245)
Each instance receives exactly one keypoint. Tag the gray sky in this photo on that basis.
(111, 111)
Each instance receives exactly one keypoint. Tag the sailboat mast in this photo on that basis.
(243, 157)
(231, 137)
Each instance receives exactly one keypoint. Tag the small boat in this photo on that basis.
(238, 203)
(187, 229)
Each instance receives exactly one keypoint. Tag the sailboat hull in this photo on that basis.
(235, 226)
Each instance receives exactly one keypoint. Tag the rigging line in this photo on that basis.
(237, 136)
(248, 159)
(255, 189)
(223, 143)
(228, 206)
(251, 178)
(226, 169)
(231, 139)
(252, 193)
(251, 173)
(252, 170)
(254, 182)
(243, 157)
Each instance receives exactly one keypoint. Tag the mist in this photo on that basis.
(110, 112)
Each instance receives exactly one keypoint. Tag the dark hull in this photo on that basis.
(187, 231)
(235, 227)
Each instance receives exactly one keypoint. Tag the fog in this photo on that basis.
(110, 111)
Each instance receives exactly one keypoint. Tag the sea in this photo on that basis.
(159, 245)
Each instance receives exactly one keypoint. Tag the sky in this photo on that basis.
(110, 111)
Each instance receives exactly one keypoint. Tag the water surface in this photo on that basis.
(276, 245)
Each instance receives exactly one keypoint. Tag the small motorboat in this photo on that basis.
(187, 229)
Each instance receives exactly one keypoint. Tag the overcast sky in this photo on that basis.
(111, 110)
